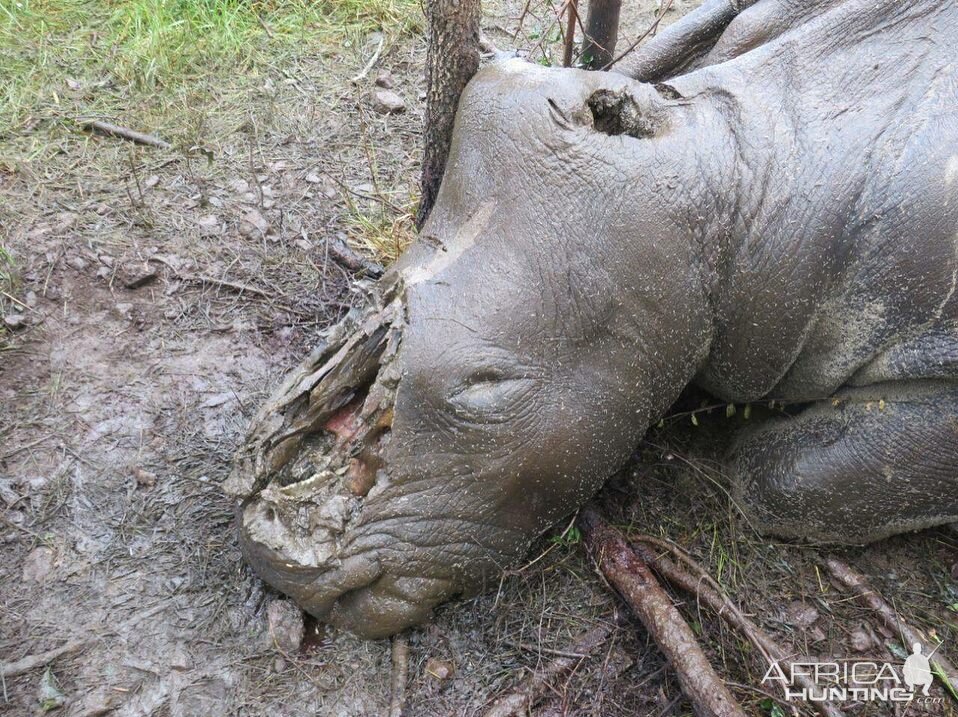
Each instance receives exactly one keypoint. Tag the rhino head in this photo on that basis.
(554, 305)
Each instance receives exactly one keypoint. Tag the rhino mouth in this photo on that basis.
(314, 452)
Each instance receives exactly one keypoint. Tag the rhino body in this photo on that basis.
(770, 211)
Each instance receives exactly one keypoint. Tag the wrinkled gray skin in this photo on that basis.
(779, 221)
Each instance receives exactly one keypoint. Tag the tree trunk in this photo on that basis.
(453, 58)
(602, 32)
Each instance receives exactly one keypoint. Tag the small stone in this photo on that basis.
(279, 665)
(38, 564)
(144, 478)
(14, 321)
(135, 276)
(440, 669)
(385, 80)
(180, 658)
(285, 622)
(151, 181)
(31, 299)
(253, 225)
(312, 178)
(303, 244)
(240, 186)
(124, 309)
(77, 263)
(209, 225)
(388, 102)
(801, 615)
(104, 272)
(861, 641)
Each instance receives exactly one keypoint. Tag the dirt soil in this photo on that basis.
(162, 296)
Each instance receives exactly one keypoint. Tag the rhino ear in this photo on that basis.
(622, 111)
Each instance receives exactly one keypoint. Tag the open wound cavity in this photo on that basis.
(314, 453)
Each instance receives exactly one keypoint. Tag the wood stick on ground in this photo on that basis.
(633, 579)
(343, 255)
(706, 590)
(131, 135)
(372, 60)
(400, 673)
(518, 702)
(31, 662)
(851, 579)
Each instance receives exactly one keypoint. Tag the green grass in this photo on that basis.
(64, 58)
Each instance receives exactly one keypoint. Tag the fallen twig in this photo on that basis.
(531, 689)
(704, 587)
(400, 673)
(634, 581)
(234, 285)
(372, 61)
(869, 597)
(343, 255)
(31, 662)
(131, 135)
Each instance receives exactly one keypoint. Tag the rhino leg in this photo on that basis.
(718, 31)
(873, 462)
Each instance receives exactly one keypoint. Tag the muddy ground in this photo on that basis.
(157, 296)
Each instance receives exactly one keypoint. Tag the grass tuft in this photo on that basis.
(382, 236)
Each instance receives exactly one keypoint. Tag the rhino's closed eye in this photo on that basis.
(488, 392)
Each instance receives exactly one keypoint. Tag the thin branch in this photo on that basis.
(634, 581)
(372, 61)
(31, 662)
(705, 589)
(518, 702)
(130, 135)
(871, 599)
(400, 673)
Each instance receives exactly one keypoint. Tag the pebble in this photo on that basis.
(802, 615)
(253, 225)
(388, 102)
(385, 80)
(439, 669)
(209, 225)
(861, 641)
(38, 564)
(14, 321)
(285, 622)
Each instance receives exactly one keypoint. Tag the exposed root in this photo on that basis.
(870, 598)
(531, 689)
(635, 582)
(400, 673)
(706, 590)
(31, 662)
